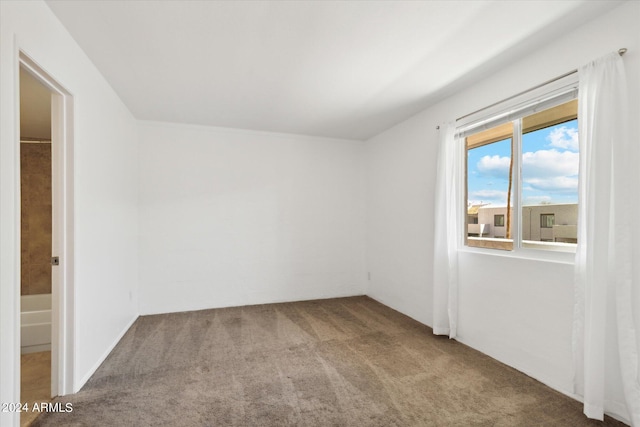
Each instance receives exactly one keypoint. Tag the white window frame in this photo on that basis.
(513, 110)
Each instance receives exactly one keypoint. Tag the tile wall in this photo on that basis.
(35, 188)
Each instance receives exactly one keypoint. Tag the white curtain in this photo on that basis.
(605, 276)
(448, 224)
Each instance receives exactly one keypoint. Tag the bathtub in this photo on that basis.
(35, 323)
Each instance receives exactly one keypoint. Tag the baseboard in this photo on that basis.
(386, 303)
(78, 386)
(617, 411)
(35, 348)
(612, 409)
(248, 301)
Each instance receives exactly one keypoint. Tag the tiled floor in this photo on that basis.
(35, 382)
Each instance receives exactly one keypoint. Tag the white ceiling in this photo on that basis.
(345, 69)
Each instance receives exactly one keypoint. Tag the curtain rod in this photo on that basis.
(621, 52)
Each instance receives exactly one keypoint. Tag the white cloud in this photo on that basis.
(560, 184)
(536, 200)
(564, 137)
(495, 166)
(546, 173)
(488, 196)
(549, 164)
(551, 171)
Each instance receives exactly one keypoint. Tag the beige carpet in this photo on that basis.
(338, 362)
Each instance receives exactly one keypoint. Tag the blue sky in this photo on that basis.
(549, 168)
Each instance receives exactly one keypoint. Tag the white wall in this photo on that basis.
(232, 217)
(516, 310)
(105, 194)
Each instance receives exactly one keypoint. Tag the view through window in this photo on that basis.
(547, 184)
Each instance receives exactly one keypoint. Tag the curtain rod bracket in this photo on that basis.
(622, 51)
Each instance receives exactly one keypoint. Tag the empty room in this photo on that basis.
(412, 213)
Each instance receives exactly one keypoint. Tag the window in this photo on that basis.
(521, 167)
(547, 220)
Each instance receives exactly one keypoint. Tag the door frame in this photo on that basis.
(62, 275)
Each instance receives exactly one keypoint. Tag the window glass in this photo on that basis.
(547, 185)
(550, 177)
(489, 187)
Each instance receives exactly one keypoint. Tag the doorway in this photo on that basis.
(46, 227)
(36, 243)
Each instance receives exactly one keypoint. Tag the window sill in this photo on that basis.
(562, 253)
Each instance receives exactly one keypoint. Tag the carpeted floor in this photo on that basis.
(339, 362)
